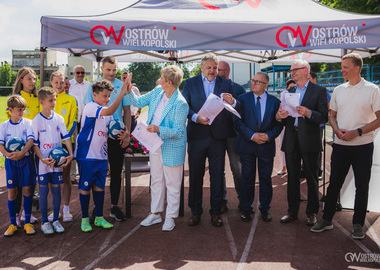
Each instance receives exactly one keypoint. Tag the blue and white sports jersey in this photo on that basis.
(22, 129)
(92, 139)
(48, 134)
(117, 84)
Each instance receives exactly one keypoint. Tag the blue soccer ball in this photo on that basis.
(14, 145)
(58, 154)
(114, 127)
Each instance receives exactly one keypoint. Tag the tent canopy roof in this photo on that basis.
(237, 30)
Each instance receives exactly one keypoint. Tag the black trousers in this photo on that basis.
(342, 157)
(310, 163)
(116, 159)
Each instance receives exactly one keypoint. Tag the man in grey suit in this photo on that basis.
(302, 141)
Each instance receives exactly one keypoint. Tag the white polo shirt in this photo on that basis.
(355, 106)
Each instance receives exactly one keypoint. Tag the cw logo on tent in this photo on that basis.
(292, 39)
(228, 3)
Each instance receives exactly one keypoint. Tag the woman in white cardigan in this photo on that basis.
(167, 117)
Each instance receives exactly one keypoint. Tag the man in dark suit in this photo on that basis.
(206, 140)
(257, 131)
(302, 141)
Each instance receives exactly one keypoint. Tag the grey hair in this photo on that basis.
(302, 63)
(78, 66)
(263, 74)
(209, 56)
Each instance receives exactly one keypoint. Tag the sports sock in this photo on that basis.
(66, 209)
(99, 201)
(56, 201)
(44, 191)
(84, 202)
(27, 208)
(12, 207)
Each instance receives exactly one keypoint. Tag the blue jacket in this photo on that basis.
(248, 125)
(172, 123)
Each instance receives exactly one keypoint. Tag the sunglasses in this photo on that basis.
(80, 72)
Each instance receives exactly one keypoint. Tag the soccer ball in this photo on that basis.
(14, 145)
(114, 127)
(58, 154)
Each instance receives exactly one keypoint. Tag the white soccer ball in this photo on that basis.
(14, 145)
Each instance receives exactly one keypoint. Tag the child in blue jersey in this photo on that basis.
(91, 152)
(19, 164)
(49, 129)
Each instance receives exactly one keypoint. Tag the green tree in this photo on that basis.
(145, 75)
(5, 75)
(196, 71)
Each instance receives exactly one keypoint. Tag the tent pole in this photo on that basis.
(42, 65)
(98, 59)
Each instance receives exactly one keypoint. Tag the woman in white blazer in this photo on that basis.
(167, 116)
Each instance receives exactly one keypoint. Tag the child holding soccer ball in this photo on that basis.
(49, 130)
(18, 162)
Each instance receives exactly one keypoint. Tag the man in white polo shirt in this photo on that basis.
(354, 115)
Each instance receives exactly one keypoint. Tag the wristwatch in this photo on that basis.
(360, 132)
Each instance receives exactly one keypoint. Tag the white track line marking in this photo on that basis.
(230, 237)
(112, 248)
(108, 238)
(372, 232)
(248, 244)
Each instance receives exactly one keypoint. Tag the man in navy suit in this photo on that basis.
(206, 141)
(257, 130)
(302, 141)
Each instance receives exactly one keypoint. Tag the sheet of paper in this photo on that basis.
(150, 140)
(213, 106)
(289, 102)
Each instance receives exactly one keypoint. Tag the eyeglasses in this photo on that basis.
(257, 82)
(80, 72)
(295, 69)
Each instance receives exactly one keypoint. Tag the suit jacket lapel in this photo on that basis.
(308, 94)
(201, 88)
(170, 104)
(155, 105)
(218, 83)
(253, 101)
(266, 108)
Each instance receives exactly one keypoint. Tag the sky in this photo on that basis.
(20, 27)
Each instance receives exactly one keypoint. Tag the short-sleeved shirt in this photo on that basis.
(67, 107)
(355, 106)
(22, 129)
(32, 106)
(117, 84)
(92, 139)
(48, 134)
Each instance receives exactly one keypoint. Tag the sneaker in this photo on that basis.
(117, 214)
(11, 230)
(101, 222)
(32, 218)
(58, 227)
(29, 229)
(67, 217)
(18, 220)
(51, 216)
(92, 217)
(321, 226)
(281, 172)
(46, 228)
(151, 220)
(85, 225)
(358, 232)
(168, 224)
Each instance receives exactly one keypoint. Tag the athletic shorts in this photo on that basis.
(20, 173)
(92, 173)
(55, 178)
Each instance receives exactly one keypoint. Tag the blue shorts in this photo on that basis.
(55, 178)
(20, 173)
(92, 172)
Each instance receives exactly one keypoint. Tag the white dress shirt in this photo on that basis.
(78, 90)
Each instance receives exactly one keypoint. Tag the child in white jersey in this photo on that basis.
(18, 164)
(49, 129)
(91, 152)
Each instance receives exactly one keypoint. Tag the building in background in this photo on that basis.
(86, 63)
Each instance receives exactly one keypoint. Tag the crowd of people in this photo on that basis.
(74, 114)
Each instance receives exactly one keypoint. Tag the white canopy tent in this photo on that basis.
(236, 30)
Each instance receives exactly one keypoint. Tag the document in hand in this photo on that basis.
(150, 140)
(289, 102)
(213, 106)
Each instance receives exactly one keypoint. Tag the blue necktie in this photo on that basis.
(258, 110)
